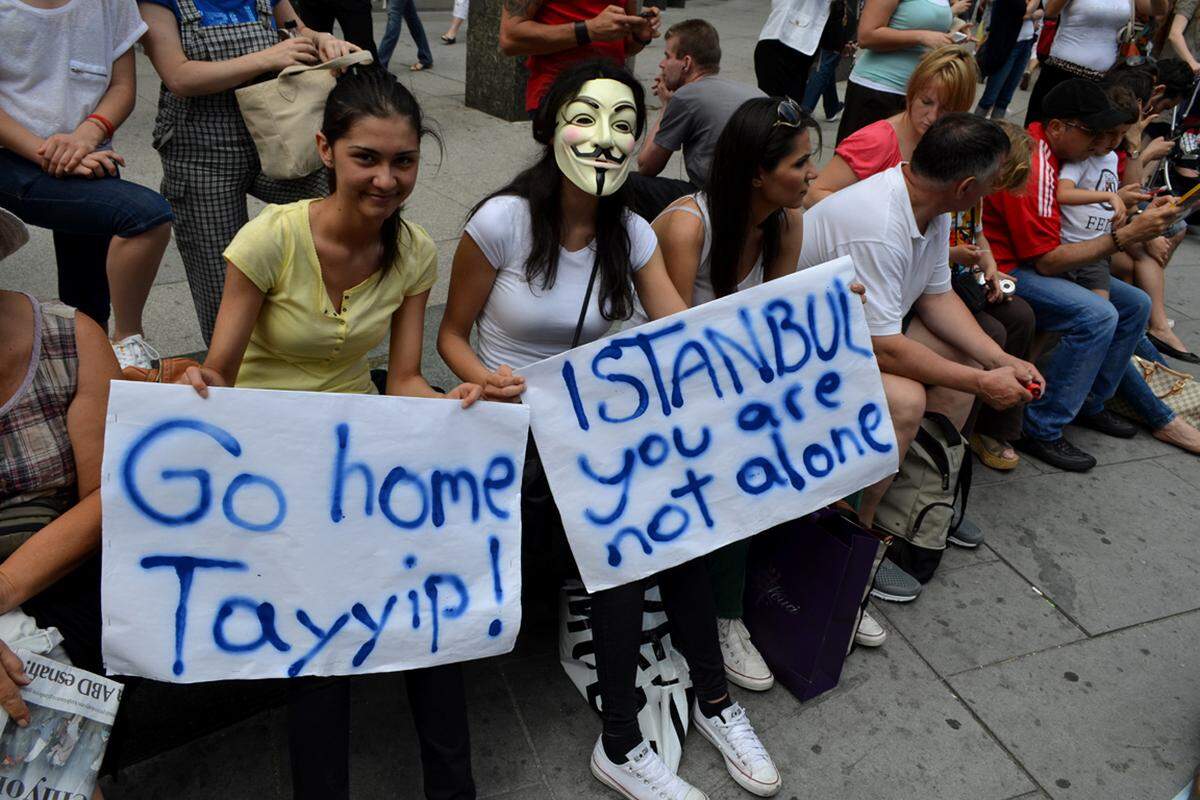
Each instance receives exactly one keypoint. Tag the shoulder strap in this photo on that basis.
(587, 299)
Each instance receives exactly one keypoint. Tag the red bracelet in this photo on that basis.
(109, 128)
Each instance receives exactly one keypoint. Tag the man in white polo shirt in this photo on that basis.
(896, 227)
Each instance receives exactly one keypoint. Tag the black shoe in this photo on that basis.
(1108, 423)
(1167, 350)
(1057, 453)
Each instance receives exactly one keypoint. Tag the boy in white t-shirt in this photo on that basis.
(1090, 201)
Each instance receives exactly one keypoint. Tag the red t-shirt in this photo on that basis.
(871, 149)
(1024, 227)
(544, 68)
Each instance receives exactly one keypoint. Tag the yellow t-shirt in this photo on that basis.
(299, 341)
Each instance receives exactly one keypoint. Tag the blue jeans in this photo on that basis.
(822, 84)
(1092, 358)
(1134, 390)
(399, 12)
(83, 213)
(1002, 85)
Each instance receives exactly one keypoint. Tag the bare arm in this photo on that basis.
(521, 35)
(328, 46)
(65, 543)
(1055, 7)
(1143, 227)
(947, 317)
(240, 303)
(1175, 37)
(791, 240)
(188, 78)
(404, 356)
(899, 355)
(658, 294)
(834, 176)
(681, 240)
(16, 137)
(874, 33)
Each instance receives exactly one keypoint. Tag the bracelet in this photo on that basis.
(1117, 242)
(109, 128)
(582, 36)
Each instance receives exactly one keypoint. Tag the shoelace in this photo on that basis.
(742, 738)
(654, 773)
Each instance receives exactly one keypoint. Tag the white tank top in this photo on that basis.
(702, 289)
(1087, 32)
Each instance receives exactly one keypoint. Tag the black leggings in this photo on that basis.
(353, 15)
(780, 70)
(617, 613)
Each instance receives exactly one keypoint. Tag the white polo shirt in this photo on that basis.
(796, 23)
(872, 222)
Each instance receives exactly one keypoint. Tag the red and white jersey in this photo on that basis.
(1023, 227)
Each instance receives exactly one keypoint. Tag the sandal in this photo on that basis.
(991, 452)
(419, 67)
(449, 39)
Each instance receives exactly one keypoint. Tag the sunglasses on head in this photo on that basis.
(788, 113)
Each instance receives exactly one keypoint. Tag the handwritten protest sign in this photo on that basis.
(266, 534)
(666, 441)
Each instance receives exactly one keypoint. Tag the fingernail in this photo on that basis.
(23, 723)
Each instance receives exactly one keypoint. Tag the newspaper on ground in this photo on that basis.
(58, 753)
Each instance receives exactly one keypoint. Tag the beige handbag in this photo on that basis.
(283, 115)
(1179, 390)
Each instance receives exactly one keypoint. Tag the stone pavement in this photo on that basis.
(1057, 661)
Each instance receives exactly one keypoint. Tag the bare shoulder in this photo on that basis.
(97, 362)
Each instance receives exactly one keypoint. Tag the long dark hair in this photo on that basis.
(372, 91)
(541, 185)
(750, 141)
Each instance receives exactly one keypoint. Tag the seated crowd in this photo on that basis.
(1049, 225)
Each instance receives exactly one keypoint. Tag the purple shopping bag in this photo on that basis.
(806, 586)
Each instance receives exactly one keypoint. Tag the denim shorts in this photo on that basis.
(89, 206)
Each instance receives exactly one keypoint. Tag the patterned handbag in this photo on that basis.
(1179, 390)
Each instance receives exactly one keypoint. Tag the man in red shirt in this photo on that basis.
(1098, 335)
(555, 33)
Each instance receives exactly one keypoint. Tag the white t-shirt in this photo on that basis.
(57, 62)
(1087, 32)
(872, 222)
(796, 23)
(1097, 174)
(522, 323)
(702, 288)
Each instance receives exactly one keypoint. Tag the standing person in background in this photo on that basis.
(458, 17)
(203, 50)
(1184, 33)
(67, 82)
(893, 35)
(354, 17)
(697, 102)
(400, 12)
(312, 287)
(1004, 76)
(558, 33)
(1086, 43)
(786, 46)
(822, 84)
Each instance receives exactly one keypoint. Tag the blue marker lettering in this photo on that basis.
(827, 384)
(679, 375)
(493, 482)
(247, 479)
(362, 615)
(614, 546)
(202, 477)
(869, 420)
(431, 591)
(323, 638)
(779, 319)
(264, 612)
(398, 475)
(568, 375)
(185, 570)
(443, 478)
(340, 469)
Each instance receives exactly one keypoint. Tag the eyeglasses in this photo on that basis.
(788, 113)
(1084, 128)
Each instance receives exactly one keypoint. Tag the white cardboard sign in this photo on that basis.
(664, 442)
(260, 534)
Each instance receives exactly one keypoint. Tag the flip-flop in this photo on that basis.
(448, 39)
(419, 67)
(991, 452)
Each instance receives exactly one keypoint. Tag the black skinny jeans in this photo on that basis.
(617, 613)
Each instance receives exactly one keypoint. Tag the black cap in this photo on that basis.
(1084, 102)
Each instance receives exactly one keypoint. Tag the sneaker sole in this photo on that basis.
(870, 641)
(746, 682)
(954, 540)
(894, 598)
(740, 778)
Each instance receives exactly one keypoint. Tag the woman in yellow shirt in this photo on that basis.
(310, 288)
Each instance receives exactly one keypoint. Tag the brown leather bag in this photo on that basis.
(168, 370)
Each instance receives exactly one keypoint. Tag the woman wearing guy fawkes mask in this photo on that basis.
(523, 273)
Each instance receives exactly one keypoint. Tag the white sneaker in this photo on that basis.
(870, 633)
(643, 776)
(745, 757)
(744, 665)
(134, 351)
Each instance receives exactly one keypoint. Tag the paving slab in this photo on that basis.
(1112, 547)
(1184, 465)
(1111, 718)
(977, 615)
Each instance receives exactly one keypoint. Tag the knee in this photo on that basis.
(906, 404)
(1097, 319)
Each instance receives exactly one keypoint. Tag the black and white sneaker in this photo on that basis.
(643, 776)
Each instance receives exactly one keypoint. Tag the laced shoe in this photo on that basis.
(894, 584)
(1057, 453)
(135, 351)
(870, 633)
(643, 776)
(744, 665)
(745, 757)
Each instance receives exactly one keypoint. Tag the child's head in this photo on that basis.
(1014, 171)
(1124, 100)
